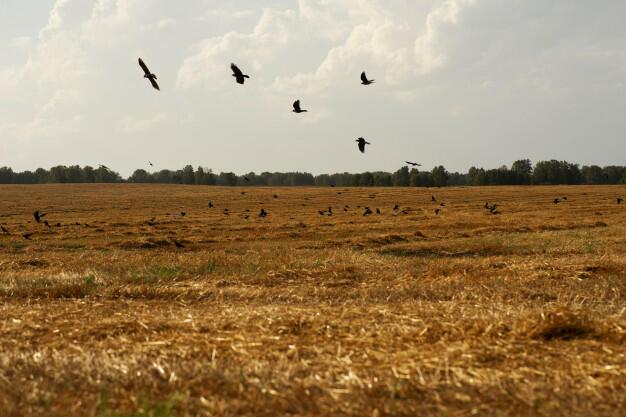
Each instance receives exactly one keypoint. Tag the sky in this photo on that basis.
(459, 83)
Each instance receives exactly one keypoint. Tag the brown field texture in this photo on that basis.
(393, 314)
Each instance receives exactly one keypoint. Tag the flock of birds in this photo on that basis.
(240, 78)
(367, 211)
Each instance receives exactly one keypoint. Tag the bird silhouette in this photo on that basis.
(150, 163)
(297, 108)
(246, 179)
(557, 201)
(415, 164)
(364, 79)
(367, 211)
(442, 204)
(104, 167)
(275, 196)
(178, 244)
(210, 205)
(38, 216)
(5, 230)
(321, 212)
(182, 213)
(47, 224)
(148, 74)
(377, 210)
(263, 213)
(437, 211)
(239, 76)
(620, 200)
(27, 236)
(362, 142)
(226, 211)
(432, 198)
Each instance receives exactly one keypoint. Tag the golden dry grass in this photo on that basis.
(464, 313)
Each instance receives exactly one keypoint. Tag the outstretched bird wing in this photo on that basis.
(144, 67)
(154, 83)
(236, 71)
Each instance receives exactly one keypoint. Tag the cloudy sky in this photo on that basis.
(459, 83)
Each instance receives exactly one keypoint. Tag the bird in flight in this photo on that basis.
(364, 79)
(38, 216)
(362, 142)
(415, 164)
(239, 76)
(104, 167)
(149, 75)
(5, 230)
(246, 179)
(297, 108)
(150, 163)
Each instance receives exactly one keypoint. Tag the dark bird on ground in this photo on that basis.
(275, 196)
(362, 142)
(620, 200)
(148, 74)
(178, 244)
(5, 230)
(38, 216)
(151, 223)
(182, 213)
(58, 224)
(432, 198)
(442, 205)
(396, 207)
(321, 212)
(437, 211)
(297, 108)
(364, 79)
(243, 193)
(345, 209)
(27, 236)
(367, 212)
(557, 201)
(247, 216)
(377, 210)
(487, 205)
(210, 205)
(564, 198)
(263, 213)
(226, 211)
(415, 164)
(47, 224)
(239, 76)
(330, 210)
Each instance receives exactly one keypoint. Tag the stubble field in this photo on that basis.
(402, 313)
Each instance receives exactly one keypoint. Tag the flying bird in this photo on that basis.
(364, 79)
(432, 198)
(27, 236)
(104, 167)
(239, 76)
(182, 213)
(297, 108)
(5, 230)
(150, 163)
(148, 74)
(362, 142)
(415, 164)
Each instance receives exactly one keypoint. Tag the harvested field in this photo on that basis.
(402, 313)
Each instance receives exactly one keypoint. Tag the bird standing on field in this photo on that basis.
(362, 142)
(178, 244)
(239, 76)
(149, 75)
(620, 200)
(5, 230)
(38, 216)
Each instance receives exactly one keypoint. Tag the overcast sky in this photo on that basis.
(458, 83)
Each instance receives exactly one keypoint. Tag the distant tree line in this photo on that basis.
(521, 172)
